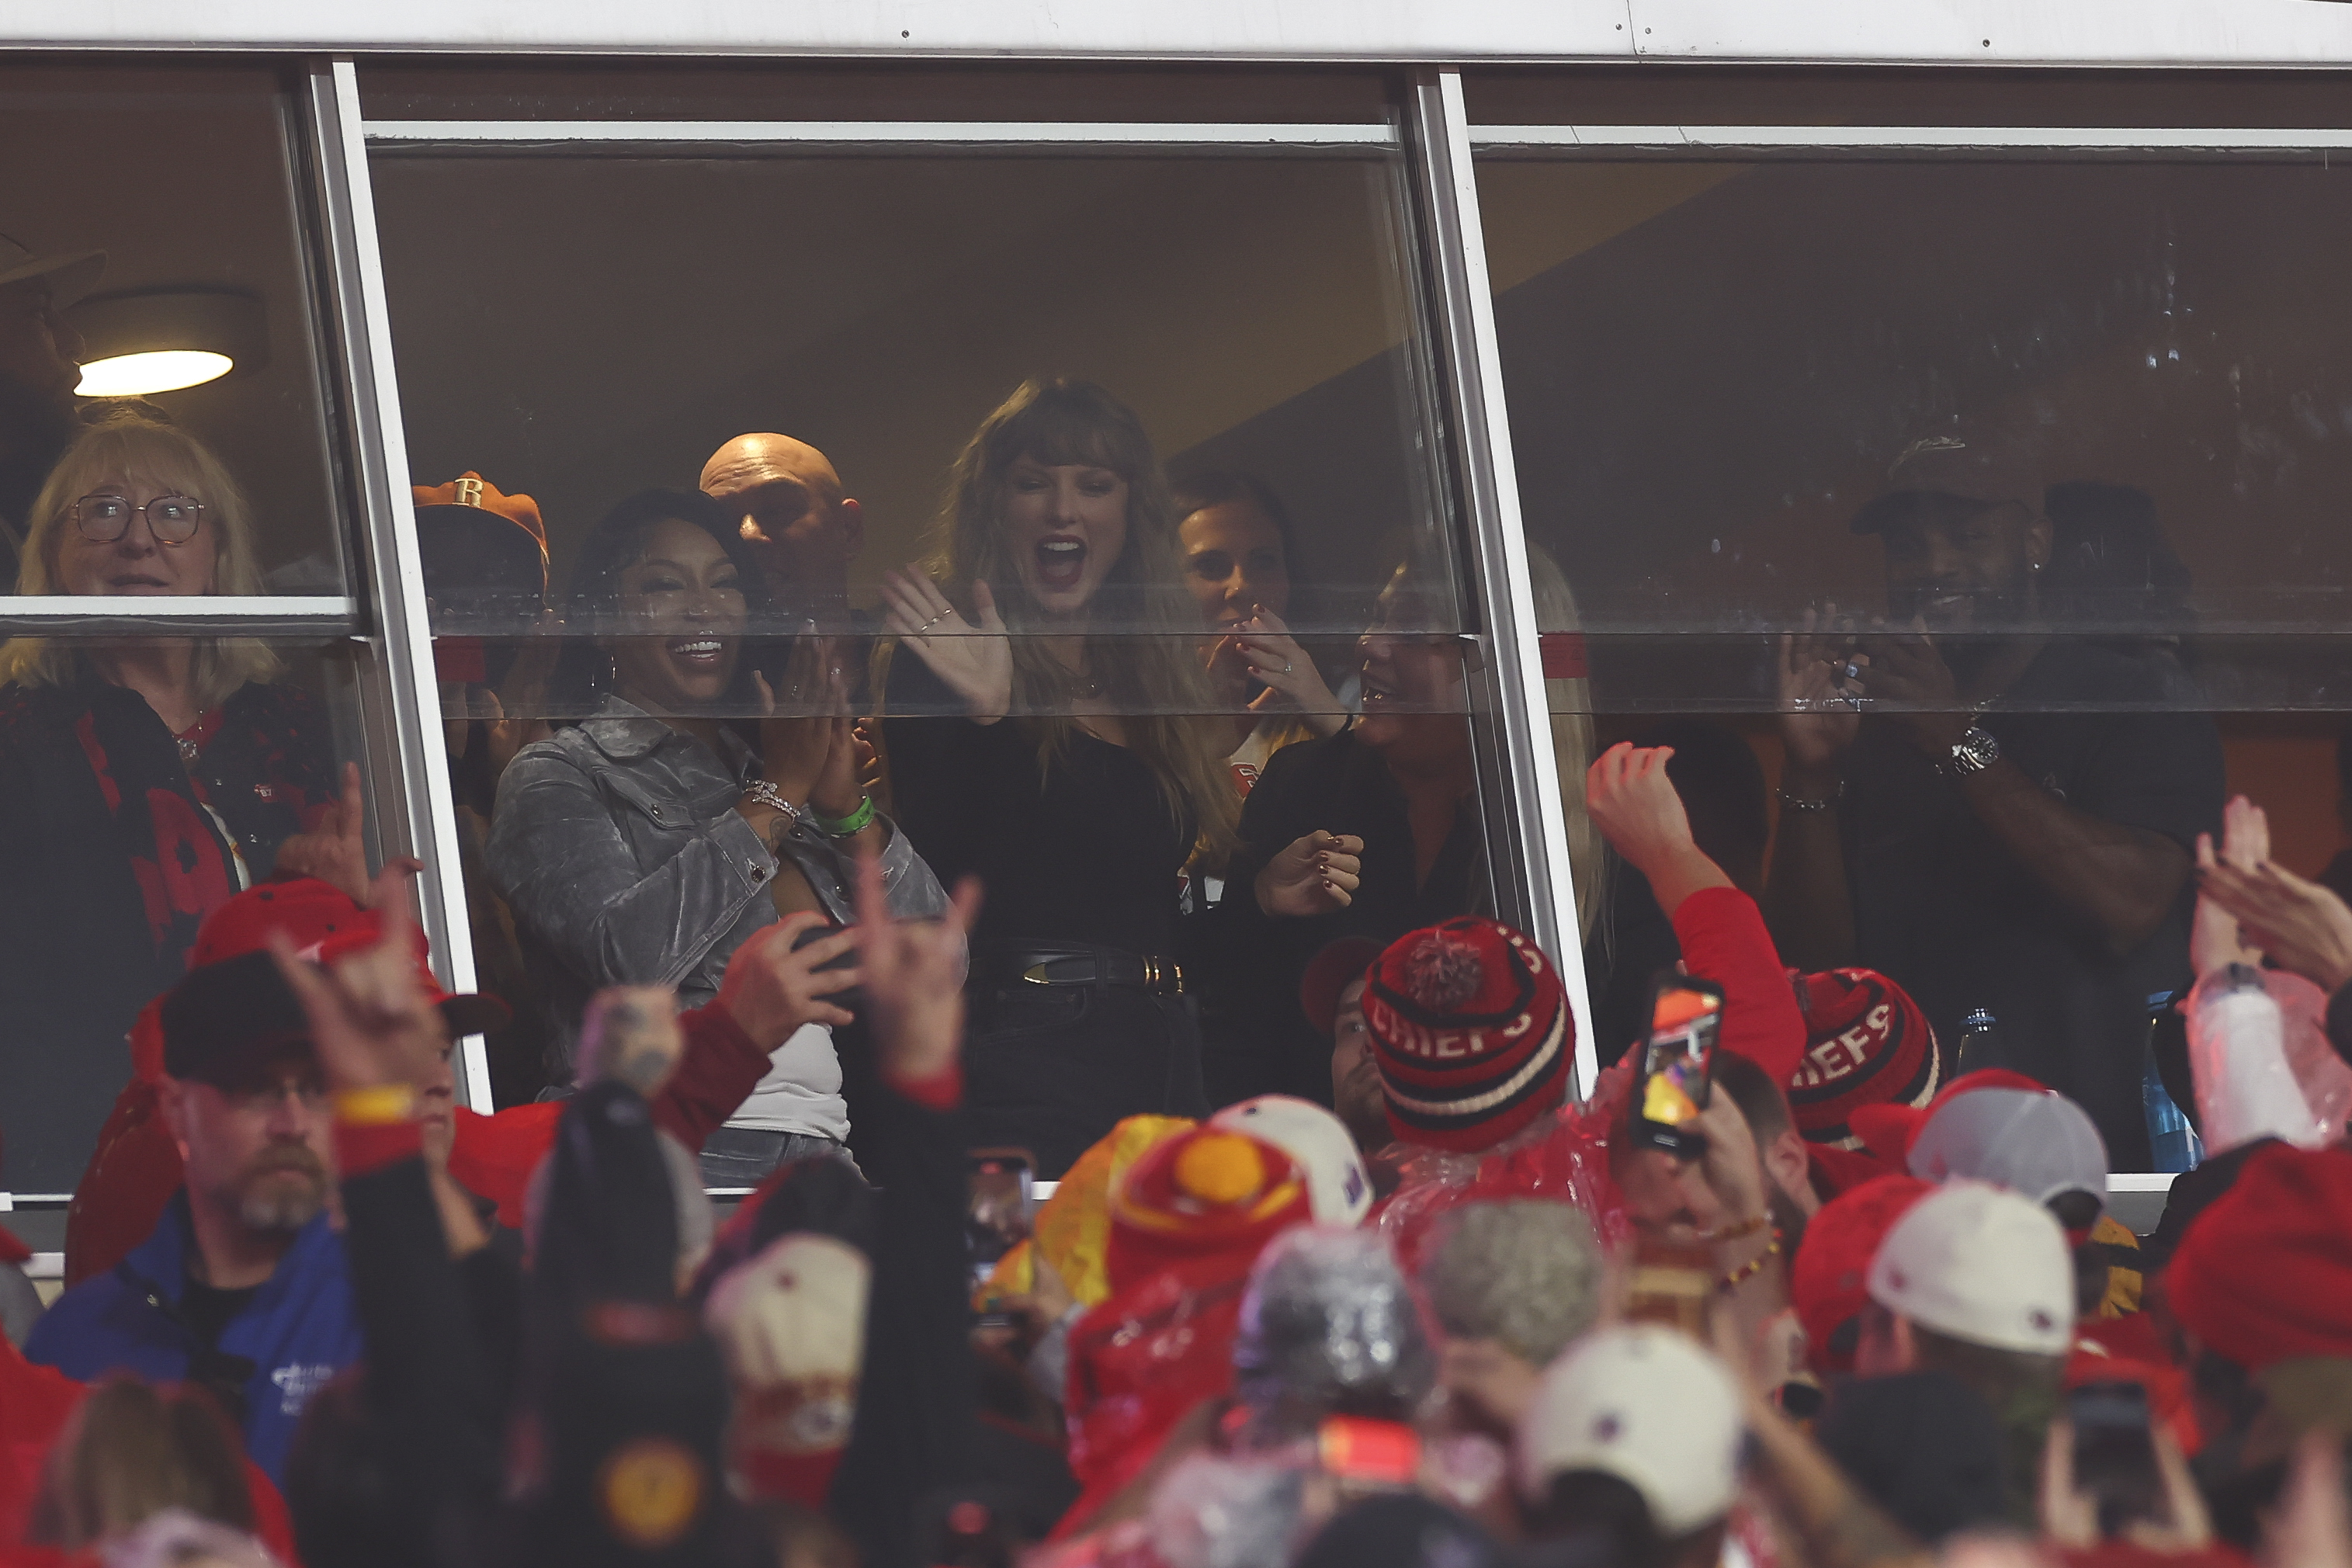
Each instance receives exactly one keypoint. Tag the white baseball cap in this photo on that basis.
(1338, 1188)
(795, 1312)
(1647, 1406)
(1982, 1264)
(2030, 1140)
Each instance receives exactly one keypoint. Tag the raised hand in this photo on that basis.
(976, 661)
(1818, 716)
(914, 974)
(800, 726)
(1633, 803)
(2301, 925)
(1908, 668)
(371, 1022)
(772, 987)
(1630, 798)
(1290, 678)
(334, 847)
(631, 1035)
(2215, 938)
(1318, 872)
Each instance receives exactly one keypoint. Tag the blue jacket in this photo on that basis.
(299, 1329)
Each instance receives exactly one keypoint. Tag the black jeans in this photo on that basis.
(1051, 1069)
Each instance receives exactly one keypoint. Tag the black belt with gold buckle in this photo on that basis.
(1093, 966)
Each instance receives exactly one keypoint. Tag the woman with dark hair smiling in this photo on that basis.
(1055, 740)
(645, 842)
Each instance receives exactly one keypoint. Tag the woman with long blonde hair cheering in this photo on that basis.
(1048, 732)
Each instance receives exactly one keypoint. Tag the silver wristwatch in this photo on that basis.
(1973, 753)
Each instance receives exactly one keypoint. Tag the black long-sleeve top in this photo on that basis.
(1251, 962)
(1085, 850)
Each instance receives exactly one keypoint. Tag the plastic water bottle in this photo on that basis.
(2172, 1140)
(1980, 1042)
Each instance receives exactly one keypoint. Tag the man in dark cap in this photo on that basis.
(242, 1288)
(40, 356)
(1998, 819)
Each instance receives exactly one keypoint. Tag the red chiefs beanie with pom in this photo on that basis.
(1471, 1032)
(1866, 1043)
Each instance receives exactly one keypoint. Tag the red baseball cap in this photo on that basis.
(1828, 1283)
(1888, 1131)
(2261, 1275)
(324, 923)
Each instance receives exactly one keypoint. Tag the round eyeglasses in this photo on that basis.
(172, 519)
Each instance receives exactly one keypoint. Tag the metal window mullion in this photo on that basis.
(920, 135)
(1920, 141)
(428, 813)
(1473, 358)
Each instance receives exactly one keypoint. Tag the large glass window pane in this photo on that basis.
(194, 304)
(2047, 449)
(169, 508)
(1163, 401)
(118, 835)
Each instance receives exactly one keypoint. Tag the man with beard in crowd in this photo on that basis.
(242, 1288)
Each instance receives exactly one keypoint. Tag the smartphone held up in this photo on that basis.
(1678, 1066)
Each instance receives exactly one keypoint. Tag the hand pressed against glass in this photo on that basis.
(158, 548)
(684, 600)
(1066, 527)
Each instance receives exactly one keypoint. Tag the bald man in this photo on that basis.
(792, 508)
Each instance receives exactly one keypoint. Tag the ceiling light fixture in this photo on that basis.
(158, 369)
(151, 340)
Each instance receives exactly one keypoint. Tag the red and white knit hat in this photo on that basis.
(1471, 1031)
(1866, 1043)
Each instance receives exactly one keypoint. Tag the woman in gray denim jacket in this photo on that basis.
(646, 843)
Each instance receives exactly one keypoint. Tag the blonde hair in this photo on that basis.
(131, 1451)
(135, 449)
(1573, 743)
(1153, 676)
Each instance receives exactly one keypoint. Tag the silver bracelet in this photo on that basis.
(1799, 803)
(767, 793)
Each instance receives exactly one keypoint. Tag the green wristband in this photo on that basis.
(849, 826)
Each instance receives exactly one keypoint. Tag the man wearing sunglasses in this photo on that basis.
(1985, 803)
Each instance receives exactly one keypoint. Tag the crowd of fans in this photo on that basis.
(1076, 863)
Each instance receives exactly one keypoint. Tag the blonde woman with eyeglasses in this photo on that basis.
(143, 782)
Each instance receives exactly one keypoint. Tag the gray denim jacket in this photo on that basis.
(617, 846)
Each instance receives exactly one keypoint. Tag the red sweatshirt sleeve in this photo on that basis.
(1724, 940)
(716, 1073)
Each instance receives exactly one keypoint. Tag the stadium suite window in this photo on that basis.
(2049, 444)
(1168, 395)
(173, 550)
